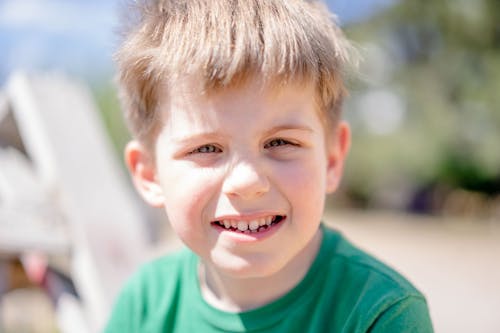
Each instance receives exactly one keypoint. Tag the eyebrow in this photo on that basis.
(214, 135)
(288, 127)
(198, 136)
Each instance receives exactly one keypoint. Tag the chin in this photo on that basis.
(249, 267)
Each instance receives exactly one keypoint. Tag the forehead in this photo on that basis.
(254, 103)
(191, 94)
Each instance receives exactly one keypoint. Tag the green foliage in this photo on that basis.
(107, 101)
(442, 59)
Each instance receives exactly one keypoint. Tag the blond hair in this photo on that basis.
(225, 43)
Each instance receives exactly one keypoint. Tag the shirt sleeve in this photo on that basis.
(410, 314)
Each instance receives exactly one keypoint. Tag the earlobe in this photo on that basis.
(143, 172)
(337, 150)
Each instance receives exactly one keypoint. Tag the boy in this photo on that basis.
(235, 109)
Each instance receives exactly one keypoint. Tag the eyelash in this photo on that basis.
(212, 149)
(207, 149)
(278, 142)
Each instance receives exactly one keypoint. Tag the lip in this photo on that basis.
(251, 236)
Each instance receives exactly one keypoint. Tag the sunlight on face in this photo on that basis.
(244, 156)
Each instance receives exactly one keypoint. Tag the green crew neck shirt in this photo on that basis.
(345, 290)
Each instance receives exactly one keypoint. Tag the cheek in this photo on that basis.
(304, 182)
(188, 194)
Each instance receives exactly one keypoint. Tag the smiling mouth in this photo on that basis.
(250, 226)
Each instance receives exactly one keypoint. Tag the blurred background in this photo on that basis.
(422, 184)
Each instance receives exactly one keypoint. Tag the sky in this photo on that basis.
(78, 37)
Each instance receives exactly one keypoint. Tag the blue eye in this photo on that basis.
(207, 149)
(277, 143)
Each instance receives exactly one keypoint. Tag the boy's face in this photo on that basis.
(245, 158)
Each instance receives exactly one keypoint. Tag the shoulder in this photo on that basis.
(150, 290)
(161, 267)
(370, 289)
(161, 276)
(364, 268)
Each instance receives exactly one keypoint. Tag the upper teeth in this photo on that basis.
(253, 225)
(247, 225)
(242, 225)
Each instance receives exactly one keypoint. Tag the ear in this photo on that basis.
(337, 148)
(143, 171)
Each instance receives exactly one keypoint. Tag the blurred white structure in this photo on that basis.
(62, 192)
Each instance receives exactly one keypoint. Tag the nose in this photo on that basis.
(245, 180)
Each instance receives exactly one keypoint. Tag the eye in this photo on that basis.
(206, 149)
(278, 142)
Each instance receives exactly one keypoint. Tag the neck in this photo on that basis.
(242, 294)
